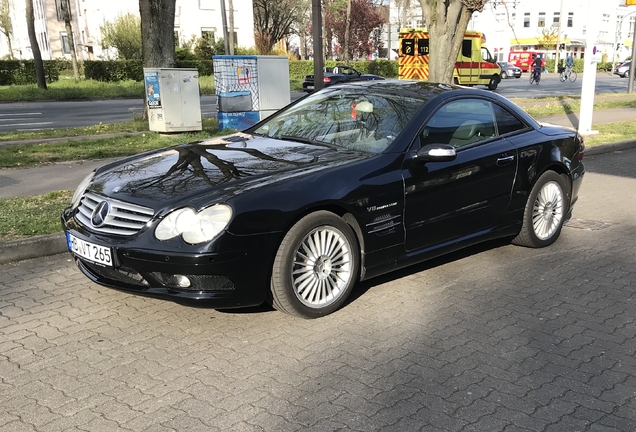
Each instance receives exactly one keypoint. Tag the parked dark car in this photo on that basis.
(622, 70)
(508, 70)
(343, 185)
(339, 75)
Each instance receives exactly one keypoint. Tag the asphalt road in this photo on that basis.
(496, 338)
(53, 115)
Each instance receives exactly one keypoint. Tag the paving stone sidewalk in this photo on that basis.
(497, 338)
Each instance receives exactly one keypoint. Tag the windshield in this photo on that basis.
(357, 119)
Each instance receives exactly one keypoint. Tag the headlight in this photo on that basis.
(194, 227)
(79, 192)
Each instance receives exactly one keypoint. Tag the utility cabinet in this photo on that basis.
(173, 98)
(250, 88)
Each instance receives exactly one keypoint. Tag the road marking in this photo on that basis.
(27, 124)
(21, 114)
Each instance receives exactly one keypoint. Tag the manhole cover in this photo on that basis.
(588, 225)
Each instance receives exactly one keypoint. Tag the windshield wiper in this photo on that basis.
(307, 141)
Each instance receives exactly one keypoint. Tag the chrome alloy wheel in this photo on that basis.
(322, 267)
(548, 210)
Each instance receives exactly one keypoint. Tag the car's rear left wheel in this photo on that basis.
(545, 212)
(316, 266)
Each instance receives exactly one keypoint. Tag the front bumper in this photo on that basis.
(235, 276)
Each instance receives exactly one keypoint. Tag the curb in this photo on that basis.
(41, 246)
(34, 247)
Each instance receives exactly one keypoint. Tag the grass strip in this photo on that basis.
(612, 133)
(569, 106)
(99, 129)
(32, 216)
(32, 155)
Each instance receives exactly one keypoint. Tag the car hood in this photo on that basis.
(220, 166)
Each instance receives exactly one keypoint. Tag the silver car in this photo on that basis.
(622, 69)
(508, 70)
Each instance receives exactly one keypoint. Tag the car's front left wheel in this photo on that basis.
(316, 266)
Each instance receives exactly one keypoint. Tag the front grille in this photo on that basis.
(123, 219)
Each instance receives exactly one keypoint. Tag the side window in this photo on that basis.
(506, 122)
(460, 123)
(467, 48)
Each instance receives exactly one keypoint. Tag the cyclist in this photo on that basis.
(536, 66)
(569, 63)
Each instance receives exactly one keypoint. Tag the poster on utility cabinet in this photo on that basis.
(153, 93)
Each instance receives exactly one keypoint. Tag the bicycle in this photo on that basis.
(566, 73)
(535, 77)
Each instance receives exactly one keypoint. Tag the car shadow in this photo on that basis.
(362, 287)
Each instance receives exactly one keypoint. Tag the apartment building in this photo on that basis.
(192, 18)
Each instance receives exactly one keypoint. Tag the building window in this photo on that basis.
(66, 47)
(541, 21)
(526, 19)
(570, 19)
(60, 10)
(556, 18)
(207, 4)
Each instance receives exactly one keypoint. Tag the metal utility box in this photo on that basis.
(250, 88)
(173, 99)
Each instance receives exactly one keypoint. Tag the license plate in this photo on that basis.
(310, 87)
(90, 251)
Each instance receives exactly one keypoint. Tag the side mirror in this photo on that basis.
(435, 153)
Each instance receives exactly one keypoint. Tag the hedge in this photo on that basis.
(20, 72)
(578, 65)
(122, 70)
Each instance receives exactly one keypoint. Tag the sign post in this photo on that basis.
(589, 71)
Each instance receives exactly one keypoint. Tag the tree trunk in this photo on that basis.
(66, 11)
(347, 33)
(11, 57)
(37, 56)
(157, 32)
(157, 35)
(447, 23)
(230, 4)
(303, 45)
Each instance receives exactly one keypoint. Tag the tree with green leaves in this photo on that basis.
(6, 26)
(275, 20)
(447, 21)
(124, 35)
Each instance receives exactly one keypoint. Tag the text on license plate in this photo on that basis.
(90, 251)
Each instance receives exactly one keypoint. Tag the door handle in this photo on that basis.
(505, 160)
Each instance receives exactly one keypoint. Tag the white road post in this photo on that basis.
(589, 69)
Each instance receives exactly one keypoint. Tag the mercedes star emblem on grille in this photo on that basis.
(100, 214)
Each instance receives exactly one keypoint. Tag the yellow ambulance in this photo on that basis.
(474, 66)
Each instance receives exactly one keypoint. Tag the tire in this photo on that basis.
(494, 82)
(316, 266)
(626, 74)
(563, 77)
(531, 78)
(545, 212)
(572, 76)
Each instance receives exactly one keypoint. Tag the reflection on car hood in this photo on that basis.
(220, 166)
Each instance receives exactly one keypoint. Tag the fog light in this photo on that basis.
(181, 281)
